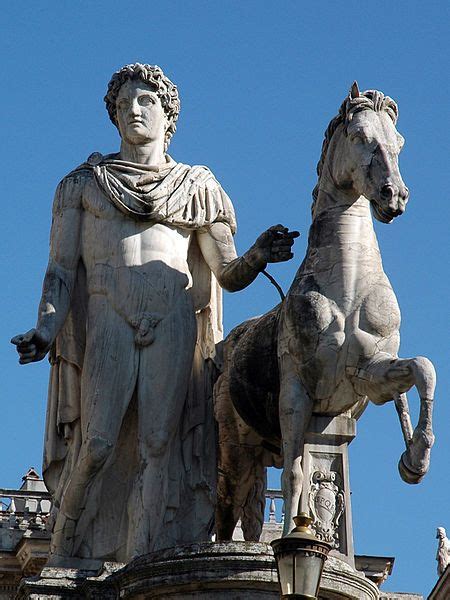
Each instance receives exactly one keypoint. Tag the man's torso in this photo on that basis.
(141, 266)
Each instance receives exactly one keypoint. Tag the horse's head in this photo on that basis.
(362, 150)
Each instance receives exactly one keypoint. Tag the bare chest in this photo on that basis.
(111, 237)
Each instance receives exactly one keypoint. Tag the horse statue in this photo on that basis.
(331, 345)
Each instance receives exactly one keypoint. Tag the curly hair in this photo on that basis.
(153, 76)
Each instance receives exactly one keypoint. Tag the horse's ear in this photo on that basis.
(354, 90)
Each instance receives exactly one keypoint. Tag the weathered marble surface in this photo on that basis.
(443, 551)
(131, 315)
(331, 346)
(326, 493)
(239, 570)
(231, 570)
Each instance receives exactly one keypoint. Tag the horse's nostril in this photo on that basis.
(404, 193)
(387, 192)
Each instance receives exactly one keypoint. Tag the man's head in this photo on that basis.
(154, 79)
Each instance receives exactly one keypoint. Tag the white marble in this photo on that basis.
(332, 345)
(443, 551)
(131, 314)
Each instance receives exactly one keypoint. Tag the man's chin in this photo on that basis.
(137, 138)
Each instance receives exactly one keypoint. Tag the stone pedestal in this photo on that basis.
(209, 571)
(340, 581)
(222, 571)
(326, 485)
(228, 571)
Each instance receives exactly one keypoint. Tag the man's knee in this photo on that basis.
(95, 452)
(155, 444)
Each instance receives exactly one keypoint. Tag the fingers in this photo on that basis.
(28, 346)
(280, 257)
(282, 241)
(282, 232)
(27, 353)
(282, 245)
(23, 338)
(279, 227)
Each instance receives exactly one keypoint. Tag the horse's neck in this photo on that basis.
(342, 247)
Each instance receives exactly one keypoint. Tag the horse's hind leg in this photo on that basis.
(236, 465)
(240, 492)
(295, 415)
(252, 518)
(385, 378)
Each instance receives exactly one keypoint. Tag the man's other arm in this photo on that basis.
(61, 273)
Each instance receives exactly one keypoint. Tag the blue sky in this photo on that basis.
(259, 82)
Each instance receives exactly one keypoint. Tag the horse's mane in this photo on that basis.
(368, 100)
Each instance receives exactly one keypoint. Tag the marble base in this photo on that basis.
(326, 485)
(340, 581)
(59, 583)
(222, 571)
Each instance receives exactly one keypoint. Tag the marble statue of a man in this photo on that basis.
(131, 314)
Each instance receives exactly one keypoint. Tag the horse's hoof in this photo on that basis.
(408, 474)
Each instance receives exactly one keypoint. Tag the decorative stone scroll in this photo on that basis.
(326, 486)
(326, 502)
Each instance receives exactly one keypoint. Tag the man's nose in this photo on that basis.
(135, 109)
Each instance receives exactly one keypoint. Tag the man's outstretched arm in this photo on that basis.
(235, 273)
(60, 275)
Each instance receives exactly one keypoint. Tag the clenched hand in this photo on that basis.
(274, 245)
(31, 346)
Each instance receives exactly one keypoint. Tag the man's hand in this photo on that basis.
(31, 346)
(274, 245)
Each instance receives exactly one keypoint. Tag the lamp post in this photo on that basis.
(300, 558)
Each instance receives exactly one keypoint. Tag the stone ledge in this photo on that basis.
(214, 570)
(340, 581)
(207, 571)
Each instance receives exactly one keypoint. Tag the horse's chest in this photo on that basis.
(379, 313)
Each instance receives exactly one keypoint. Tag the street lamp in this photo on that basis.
(300, 557)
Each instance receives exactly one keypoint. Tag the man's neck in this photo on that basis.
(145, 154)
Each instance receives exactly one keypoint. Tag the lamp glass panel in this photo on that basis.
(307, 574)
(286, 573)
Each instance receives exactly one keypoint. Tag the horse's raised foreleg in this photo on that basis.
(295, 415)
(385, 378)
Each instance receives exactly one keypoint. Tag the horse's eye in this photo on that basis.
(359, 138)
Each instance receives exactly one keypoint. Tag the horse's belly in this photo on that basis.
(253, 374)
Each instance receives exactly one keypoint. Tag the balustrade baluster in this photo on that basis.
(272, 509)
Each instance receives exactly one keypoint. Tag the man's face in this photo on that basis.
(140, 115)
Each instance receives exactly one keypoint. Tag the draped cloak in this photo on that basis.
(185, 197)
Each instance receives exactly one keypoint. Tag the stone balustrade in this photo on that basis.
(24, 539)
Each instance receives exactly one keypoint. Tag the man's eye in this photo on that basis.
(123, 104)
(146, 100)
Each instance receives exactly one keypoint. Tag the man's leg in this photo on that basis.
(163, 379)
(108, 382)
